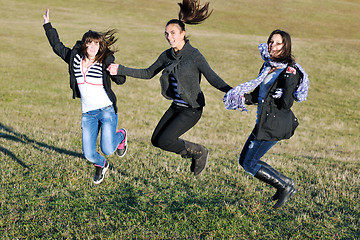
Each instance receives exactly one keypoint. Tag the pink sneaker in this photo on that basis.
(100, 172)
(122, 147)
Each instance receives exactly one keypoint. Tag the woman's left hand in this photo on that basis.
(113, 69)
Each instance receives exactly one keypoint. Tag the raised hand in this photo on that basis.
(46, 16)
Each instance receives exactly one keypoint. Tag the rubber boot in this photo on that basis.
(286, 179)
(285, 191)
(198, 154)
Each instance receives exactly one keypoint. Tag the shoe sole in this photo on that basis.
(103, 173)
(98, 182)
(123, 154)
(276, 195)
(277, 205)
(206, 161)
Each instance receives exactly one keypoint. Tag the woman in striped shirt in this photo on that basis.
(90, 81)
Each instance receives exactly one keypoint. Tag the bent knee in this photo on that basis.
(164, 144)
(108, 151)
(90, 156)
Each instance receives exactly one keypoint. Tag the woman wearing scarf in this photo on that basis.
(181, 66)
(280, 82)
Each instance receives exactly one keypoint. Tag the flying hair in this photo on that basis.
(191, 11)
(106, 41)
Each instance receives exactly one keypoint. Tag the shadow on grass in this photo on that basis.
(12, 156)
(9, 134)
(165, 200)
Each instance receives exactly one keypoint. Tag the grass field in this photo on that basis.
(46, 185)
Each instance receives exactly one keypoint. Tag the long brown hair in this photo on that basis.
(105, 39)
(286, 56)
(191, 12)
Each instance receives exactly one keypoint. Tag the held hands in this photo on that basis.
(234, 100)
(46, 16)
(113, 69)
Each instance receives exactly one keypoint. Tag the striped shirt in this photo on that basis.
(90, 83)
(177, 98)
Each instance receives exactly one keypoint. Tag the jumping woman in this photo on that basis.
(90, 81)
(181, 66)
(280, 82)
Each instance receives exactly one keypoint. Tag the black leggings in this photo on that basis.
(176, 121)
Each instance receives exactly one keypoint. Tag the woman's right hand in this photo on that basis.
(46, 16)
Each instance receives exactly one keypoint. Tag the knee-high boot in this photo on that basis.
(198, 154)
(286, 179)
(285, 191)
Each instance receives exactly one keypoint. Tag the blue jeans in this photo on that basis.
(91, 122)
(251, 153)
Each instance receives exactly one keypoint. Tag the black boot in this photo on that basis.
(285, 191)
(286, 179)
(185, 154)
(198, 154)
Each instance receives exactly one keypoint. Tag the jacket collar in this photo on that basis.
(186, 50)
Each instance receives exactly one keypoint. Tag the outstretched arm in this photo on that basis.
(146, 73)
(54, 40)
(210, 75)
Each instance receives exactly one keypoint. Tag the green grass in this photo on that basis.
(46, 184)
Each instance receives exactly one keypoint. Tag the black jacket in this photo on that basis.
(276, 121)
(187, 66)
(68, 56)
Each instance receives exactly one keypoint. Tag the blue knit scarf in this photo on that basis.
(234, 99)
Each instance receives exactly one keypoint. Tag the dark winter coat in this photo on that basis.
(276, 121)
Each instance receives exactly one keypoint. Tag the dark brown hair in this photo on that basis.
(285, 56)
(191, 12)
(105, 39)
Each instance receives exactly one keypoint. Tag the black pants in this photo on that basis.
(176, 121)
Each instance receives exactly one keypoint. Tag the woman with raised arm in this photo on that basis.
(181, 66)
(89, 80)
(280, 82)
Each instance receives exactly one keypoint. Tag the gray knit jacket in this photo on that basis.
(187, 65)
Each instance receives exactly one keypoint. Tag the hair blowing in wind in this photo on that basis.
(106, 41)
(191, 11)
